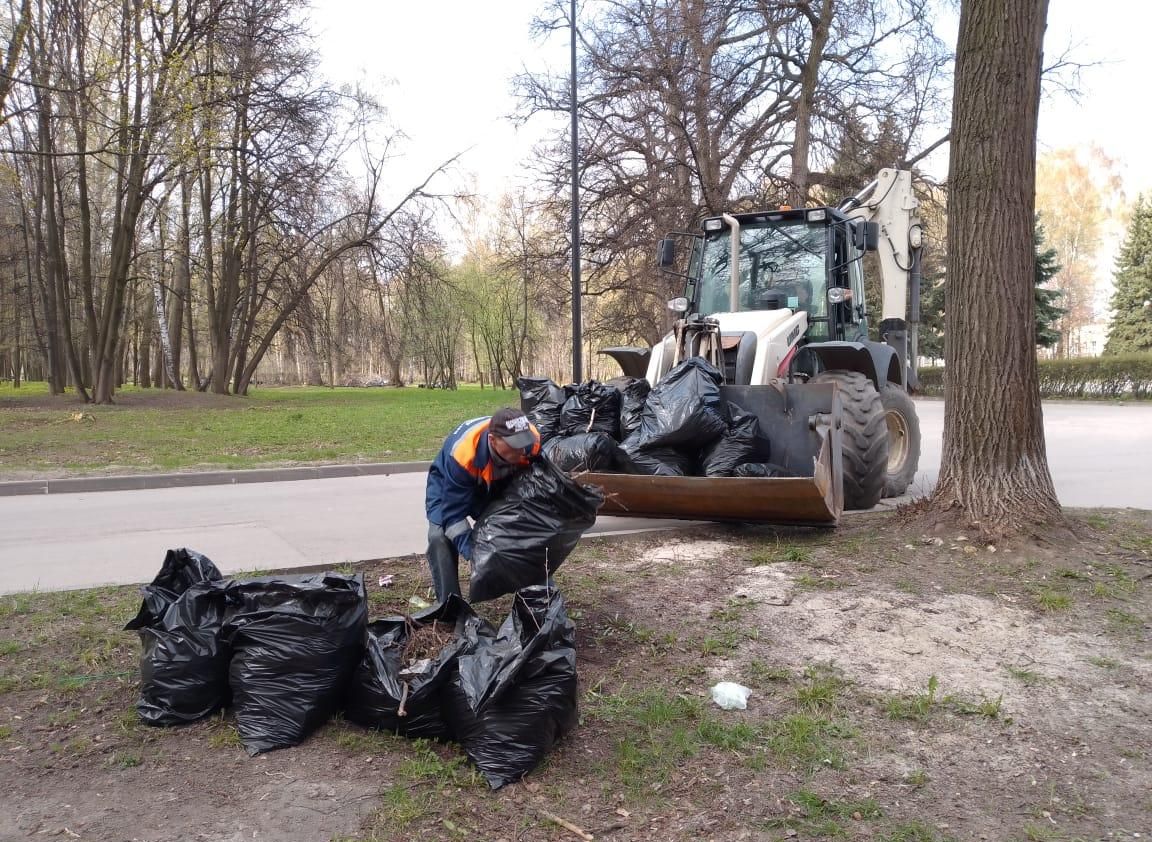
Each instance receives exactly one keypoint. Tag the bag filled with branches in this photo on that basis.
(407, 662)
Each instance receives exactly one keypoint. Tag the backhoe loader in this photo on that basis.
(775, 300)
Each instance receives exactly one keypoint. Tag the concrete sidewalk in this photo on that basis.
(141, 482)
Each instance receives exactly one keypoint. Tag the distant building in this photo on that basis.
(1089, 340)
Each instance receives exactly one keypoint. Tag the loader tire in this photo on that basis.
(903, 439)
(864, 438)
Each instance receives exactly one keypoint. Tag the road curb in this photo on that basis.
(139, 482)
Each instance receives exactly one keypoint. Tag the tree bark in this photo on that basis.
(994, 468)
(806, 102)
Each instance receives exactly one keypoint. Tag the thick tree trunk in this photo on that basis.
(994, 468)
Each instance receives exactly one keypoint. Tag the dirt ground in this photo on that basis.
(904, 687)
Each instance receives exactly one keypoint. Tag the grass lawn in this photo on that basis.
(154, 430)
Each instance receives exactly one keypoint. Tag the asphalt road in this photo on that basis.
(1100, 455)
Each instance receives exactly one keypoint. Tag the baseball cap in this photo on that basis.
(513, 426)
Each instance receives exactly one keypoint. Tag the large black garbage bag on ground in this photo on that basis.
(296, 641)
(633, 393)
(587, 452)
(183, 663)
(762, 469)
(685, 408)
(527, 532)
(737, 446)
(592, 408)
(658, 461)
(543, 401)
(388, 681)
(515, 696)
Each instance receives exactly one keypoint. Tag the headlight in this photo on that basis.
(818, 215)
(678, 305)
(838, 295)
(715, 224)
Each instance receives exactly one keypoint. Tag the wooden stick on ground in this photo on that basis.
(567, 825)
(400, 711)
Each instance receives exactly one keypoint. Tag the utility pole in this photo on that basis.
(577, 330)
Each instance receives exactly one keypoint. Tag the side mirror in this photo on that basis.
(666, 253)
(866, 236)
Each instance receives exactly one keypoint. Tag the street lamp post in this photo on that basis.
(577, 331)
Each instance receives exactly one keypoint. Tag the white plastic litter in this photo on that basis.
(731, 696)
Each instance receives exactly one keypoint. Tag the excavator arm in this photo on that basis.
(890, 204)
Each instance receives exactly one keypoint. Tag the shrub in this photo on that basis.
(1117, 377)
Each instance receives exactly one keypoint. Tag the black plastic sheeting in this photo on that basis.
(515, 695)
(543, 402)
(659, 461)
(183, 663)
(737, 446)
(526, 533)
(381, 688)
(633, 393)
(296, 641)
(592, 408)
(587, 452)
(685, 408)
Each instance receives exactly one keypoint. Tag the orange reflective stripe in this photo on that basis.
(464, 451)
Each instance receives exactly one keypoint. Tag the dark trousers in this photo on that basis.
(444, 562)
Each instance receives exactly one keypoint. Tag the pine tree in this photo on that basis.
(1131, 329)
(1048, 309)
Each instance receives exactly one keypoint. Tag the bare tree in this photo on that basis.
(697, 106)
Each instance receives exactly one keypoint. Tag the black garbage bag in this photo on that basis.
(738, 445)
(587, 452)
(183, 663)
(633, 393)
(658, 461)
(592, 408)
(543, 401)
(396, 690)
(296, 641)
(685, 408)
(527, 532)
(762, 469)
(515, 696)
(180, 570)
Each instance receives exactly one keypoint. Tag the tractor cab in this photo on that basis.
(806, 260)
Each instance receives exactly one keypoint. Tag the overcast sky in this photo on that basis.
(447, 67)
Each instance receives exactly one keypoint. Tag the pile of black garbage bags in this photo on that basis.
(680, 427)
(287, 652)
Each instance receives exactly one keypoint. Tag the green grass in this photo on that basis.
(1050, 600)
(224, 736)
(658, 732)
(1029, 678)
(819, 816)
(274, 425)
(63, 642)
(821, 689)
(918, 707)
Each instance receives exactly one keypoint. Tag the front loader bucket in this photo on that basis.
(801, 425)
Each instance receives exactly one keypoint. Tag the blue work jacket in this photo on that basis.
(461, 479)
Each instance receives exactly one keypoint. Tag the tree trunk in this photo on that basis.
(806, 102)
(994, 468)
